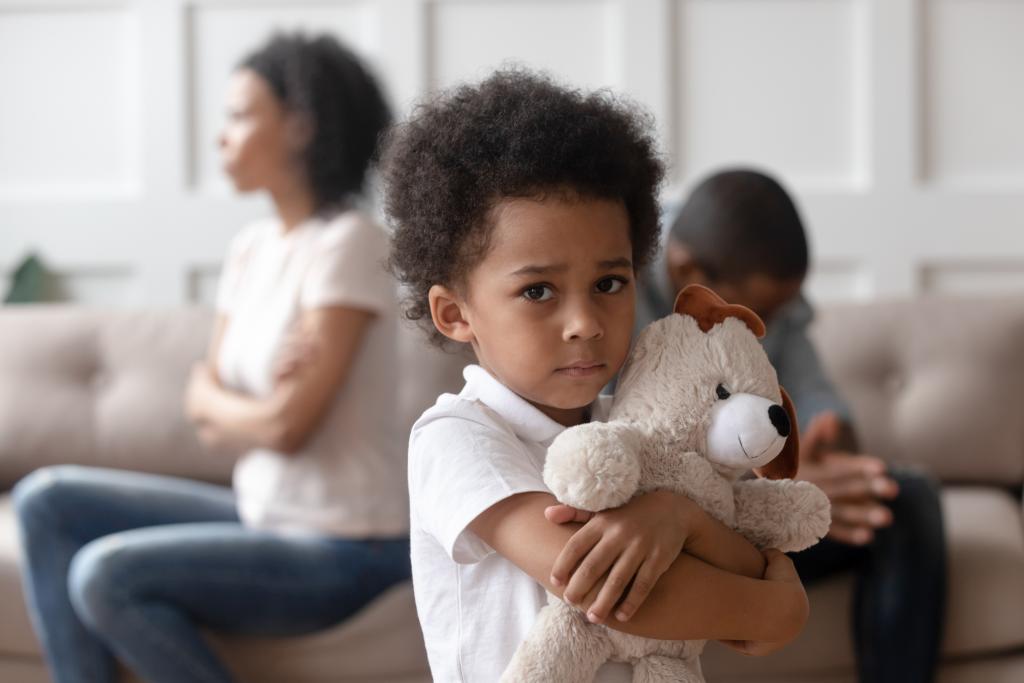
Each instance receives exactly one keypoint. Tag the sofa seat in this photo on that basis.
(985, 609)
(382, 643)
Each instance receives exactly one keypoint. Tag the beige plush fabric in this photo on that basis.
(936, 383)
(101, 389)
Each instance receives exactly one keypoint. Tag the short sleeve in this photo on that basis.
(232, 270)
(458, 468)
(348, 268)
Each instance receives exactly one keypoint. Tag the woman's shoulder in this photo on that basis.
(351, 228)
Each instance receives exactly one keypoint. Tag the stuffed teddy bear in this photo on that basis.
(697, 406)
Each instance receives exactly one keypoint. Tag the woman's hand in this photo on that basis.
(633, 545)
(778, 568)
(200, 381)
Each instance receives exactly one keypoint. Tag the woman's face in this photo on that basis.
(254, 144)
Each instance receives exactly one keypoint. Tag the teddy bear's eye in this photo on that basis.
(722, 392)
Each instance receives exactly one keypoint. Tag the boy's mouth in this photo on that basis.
(581, 369)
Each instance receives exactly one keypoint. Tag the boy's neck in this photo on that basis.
(567, 417)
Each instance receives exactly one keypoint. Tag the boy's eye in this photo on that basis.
(538, 293)
(722, 392)
(610, 285)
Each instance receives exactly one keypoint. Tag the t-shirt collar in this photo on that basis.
(527, 421)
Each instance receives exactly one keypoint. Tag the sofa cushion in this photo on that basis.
(935, 381)
(100, 388)
(986, 597)
(382, 642)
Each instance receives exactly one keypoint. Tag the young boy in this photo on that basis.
(740, 234)
(521, 212)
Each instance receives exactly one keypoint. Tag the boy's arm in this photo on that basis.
(691, 600)
(704, 536)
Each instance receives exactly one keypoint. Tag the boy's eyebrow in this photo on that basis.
(540, 270)
(616, 263)
(610, 264)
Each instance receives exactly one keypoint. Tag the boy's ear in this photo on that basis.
(446, 312)
(682, 268)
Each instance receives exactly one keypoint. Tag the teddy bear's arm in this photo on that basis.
(594, 466)
(784, 514)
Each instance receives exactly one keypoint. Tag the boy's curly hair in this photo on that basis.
(515, 134)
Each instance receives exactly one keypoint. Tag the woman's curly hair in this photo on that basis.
(323, 80)
(515, 134)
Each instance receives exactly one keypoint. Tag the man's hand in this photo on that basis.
(856, 484)
(630, 547)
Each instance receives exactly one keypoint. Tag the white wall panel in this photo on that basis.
(98, 286)
(577, 41)
(977, 278)
(839, 281)
(975, 85)
(69, 120)
(220, 35)
(201, 284)
(895, 122)
(777, 83)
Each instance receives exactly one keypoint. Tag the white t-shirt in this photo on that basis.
(349, 478)
(467, 453)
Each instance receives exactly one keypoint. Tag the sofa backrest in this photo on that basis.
(100, 388)
(106, 388)
(933, 382)
(936, 382)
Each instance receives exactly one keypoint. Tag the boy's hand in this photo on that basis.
(856, 484)
(778, 568)
(633, 545)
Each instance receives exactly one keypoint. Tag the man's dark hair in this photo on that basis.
(323, 80)
(741, 222)
(515, 134)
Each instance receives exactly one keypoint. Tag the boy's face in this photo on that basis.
(549, 309)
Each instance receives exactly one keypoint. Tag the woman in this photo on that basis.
(299, 375)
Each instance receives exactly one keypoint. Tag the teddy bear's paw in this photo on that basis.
(594, 466)
(812, 513)
(784, 514)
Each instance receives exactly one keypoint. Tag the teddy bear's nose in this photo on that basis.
(779, 420)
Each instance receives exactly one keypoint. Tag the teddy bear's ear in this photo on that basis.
(785, 464)
(709, 309)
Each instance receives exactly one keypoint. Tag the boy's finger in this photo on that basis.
(646, 576)
(591, 569)
(564, 514)
(574, 551)
(615, 585)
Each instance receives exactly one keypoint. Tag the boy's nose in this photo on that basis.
(582, 324)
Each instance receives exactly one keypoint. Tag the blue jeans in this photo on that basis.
(899, 600)
(129, 565)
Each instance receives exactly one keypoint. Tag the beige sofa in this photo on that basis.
(938, 383)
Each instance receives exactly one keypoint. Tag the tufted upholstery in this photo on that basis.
(934, 383)
(105, 389)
